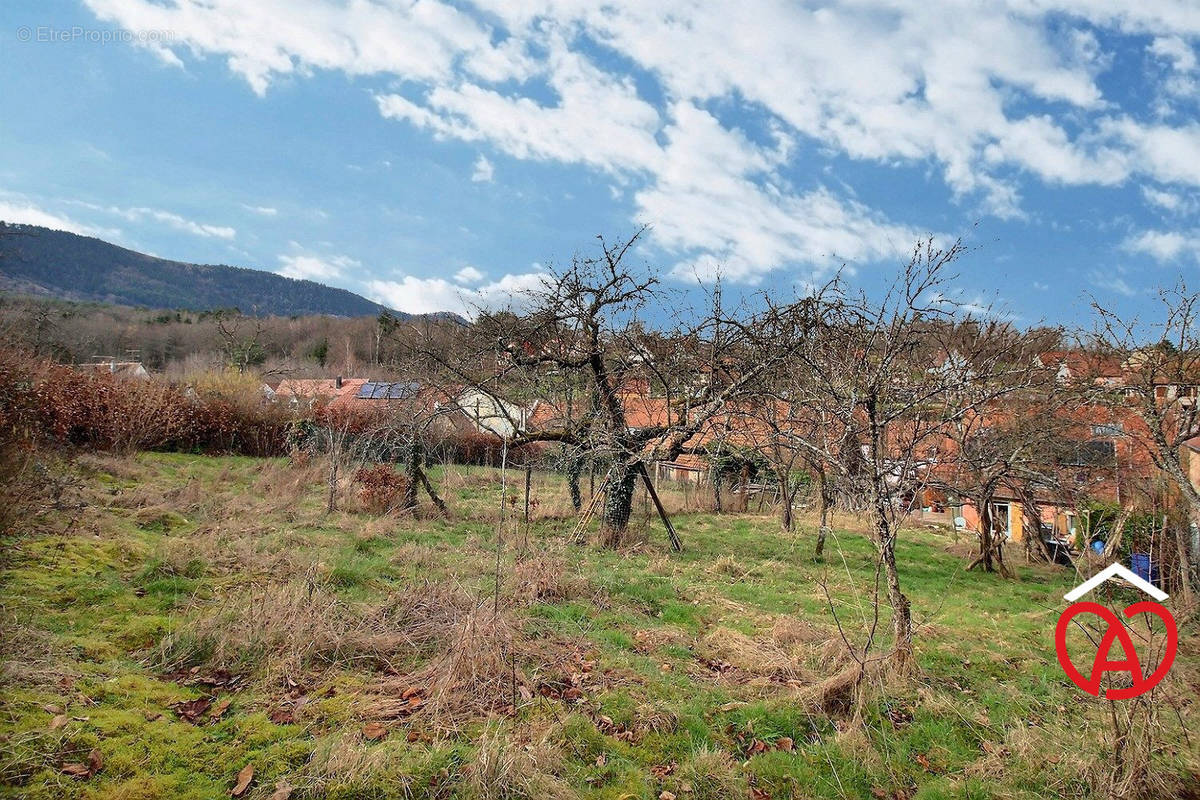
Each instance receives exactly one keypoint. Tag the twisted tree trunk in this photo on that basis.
(786, 520)
(618, 503)
(574, 471)
(825, 504)
(885, 541)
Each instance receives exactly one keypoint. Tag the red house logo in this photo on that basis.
(1118, 631)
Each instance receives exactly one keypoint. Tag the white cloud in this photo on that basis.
(599, 120)
(265, 211)
(1170, 201)
(1112, 283)
(272, 39)
(1175, 50)
(468, 275)
(310, 267)
(168, 218)
(26, 213)
(182, 224)
(428, 295)
(484, 171)
(930, 84)
(1165, 245)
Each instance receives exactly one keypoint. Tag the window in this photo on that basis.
(1108, 431)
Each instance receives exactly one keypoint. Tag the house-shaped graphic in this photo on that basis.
(1115, 571)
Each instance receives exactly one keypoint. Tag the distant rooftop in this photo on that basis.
(387, 390)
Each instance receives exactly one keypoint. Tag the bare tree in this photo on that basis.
(1158, 392)
(1012, 433)
(240, 337)
(873, 377)
(648, 393)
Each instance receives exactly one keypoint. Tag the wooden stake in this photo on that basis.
(676, 545)
(528, 478)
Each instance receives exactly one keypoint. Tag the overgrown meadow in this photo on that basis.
(200, 627)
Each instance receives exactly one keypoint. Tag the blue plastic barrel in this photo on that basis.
(1142, 566)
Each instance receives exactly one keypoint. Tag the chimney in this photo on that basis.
(337, 382)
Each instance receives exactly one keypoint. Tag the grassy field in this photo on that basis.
(204, 618)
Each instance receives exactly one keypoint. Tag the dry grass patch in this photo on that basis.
(287, 628)
(710, 774)
(790, 631)
(759, 660)
(545, 578)
(29, 656)
(485, 665)
(510, 766)
(653, 639)
(475, 674)
(247, 551)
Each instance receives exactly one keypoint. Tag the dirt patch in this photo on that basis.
(653, 639)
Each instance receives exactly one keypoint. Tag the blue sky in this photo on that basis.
(437, 155)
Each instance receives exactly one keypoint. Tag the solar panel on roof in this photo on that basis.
(385, 390)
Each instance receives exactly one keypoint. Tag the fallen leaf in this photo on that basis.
(151, 716)
(731, 706)
(785, 744)
(666, 795)
(219, 709)
(374, 730)
(52, 709)
(282, 716)
(58, 721)
(601, 760)
(243, 781)
(192, 710)
(923, 761)
(283, 790)
(95, 761)
(76, 770)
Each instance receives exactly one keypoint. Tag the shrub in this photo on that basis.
(44, 404)
(381, 488)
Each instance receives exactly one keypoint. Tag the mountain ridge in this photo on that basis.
(70, 266)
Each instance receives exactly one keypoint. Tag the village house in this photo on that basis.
(1072, 366)
(488, 413)
(120, 369)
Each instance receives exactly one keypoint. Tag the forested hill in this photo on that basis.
(41, 261)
